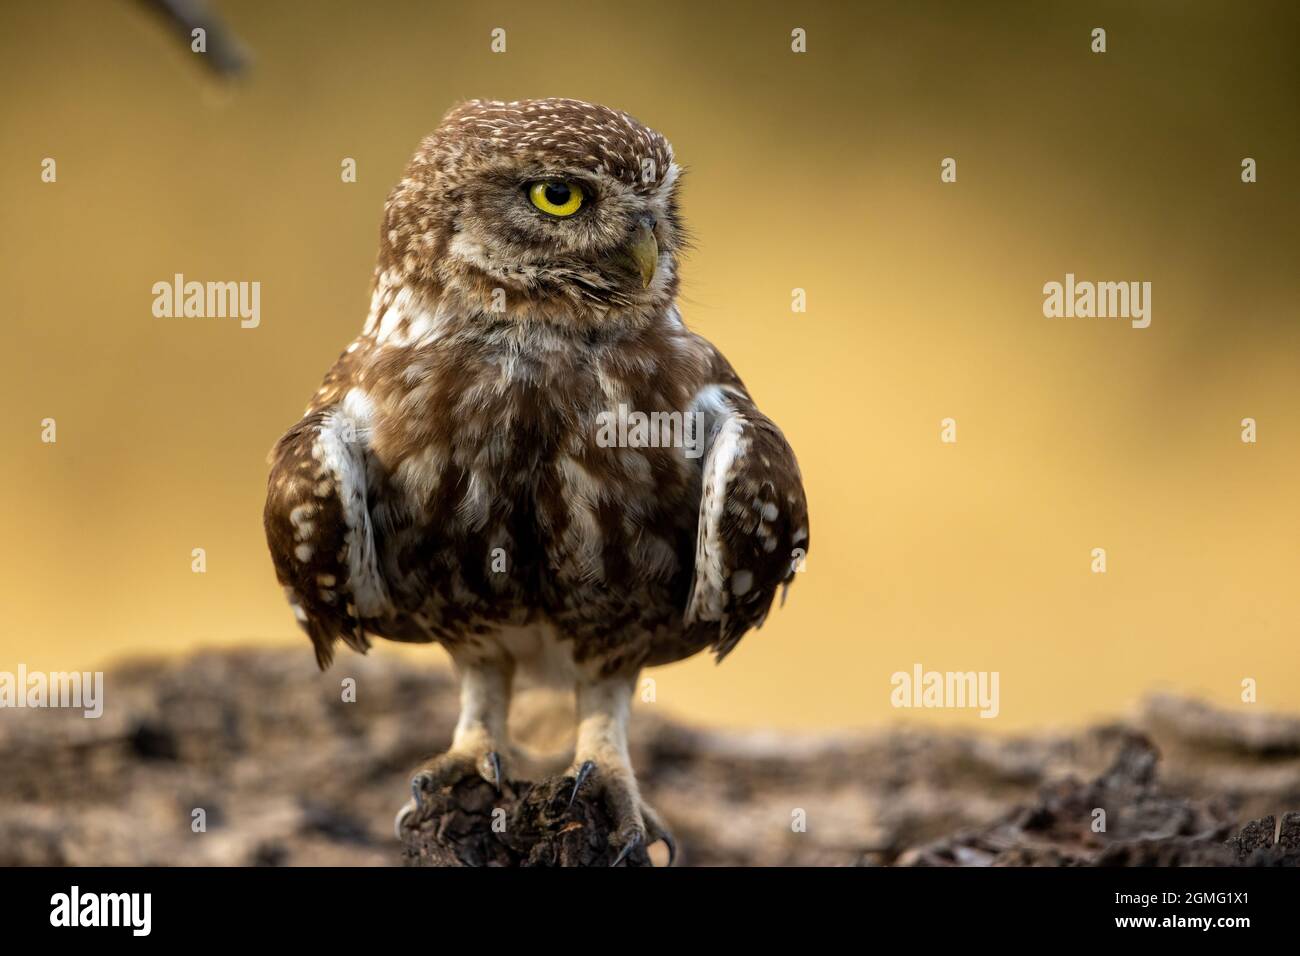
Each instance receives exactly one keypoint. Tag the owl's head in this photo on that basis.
(549, 208)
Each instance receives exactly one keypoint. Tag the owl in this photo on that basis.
(526, 456)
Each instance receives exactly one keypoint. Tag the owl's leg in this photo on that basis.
(601, 757)
(480, 744)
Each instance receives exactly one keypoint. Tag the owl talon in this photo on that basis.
(446, 771)
(409, 809)
(631, 841)
(413, 807)
(636, 824)
(672, 846)
(656, 830)
(583, 773)
(419, 783)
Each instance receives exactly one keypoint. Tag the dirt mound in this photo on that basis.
(279, 769)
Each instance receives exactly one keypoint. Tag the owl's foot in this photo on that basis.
(636, 824)
(445, 771)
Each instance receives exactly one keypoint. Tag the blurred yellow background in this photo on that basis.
(818, 171)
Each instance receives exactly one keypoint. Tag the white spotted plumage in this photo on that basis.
(446, 485)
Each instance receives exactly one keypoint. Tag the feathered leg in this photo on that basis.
(480, 744)
(601, 756)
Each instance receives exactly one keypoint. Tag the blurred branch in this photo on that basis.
(224, 55)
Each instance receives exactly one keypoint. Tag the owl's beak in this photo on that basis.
(643, 250)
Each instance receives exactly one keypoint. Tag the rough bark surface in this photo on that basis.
(282, 770)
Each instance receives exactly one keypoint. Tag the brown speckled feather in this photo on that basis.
(447, 480)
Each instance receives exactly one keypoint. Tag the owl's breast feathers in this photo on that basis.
(444, 485)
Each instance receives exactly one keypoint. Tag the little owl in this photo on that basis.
(476, 469)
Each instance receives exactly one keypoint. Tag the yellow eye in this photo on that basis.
(558, 199)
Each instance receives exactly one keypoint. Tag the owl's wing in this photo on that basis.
(320, 529)
(753, 525)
